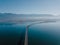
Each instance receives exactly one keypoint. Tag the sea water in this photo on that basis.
(38, 34)
(44, 34)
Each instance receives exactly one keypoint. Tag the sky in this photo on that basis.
(30, 6)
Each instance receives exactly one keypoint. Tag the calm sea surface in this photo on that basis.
(38, 34)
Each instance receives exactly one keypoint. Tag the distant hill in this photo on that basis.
(10, 17)
(11, 14)
(37, 15)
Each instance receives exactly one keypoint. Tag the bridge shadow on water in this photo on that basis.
(22, 39)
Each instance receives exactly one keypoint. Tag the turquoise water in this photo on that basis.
(38, 34)
(44, 34)
(10, 34)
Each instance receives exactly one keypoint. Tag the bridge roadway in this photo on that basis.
(26, 32)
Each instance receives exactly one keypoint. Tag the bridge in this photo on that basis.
(26, 33)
